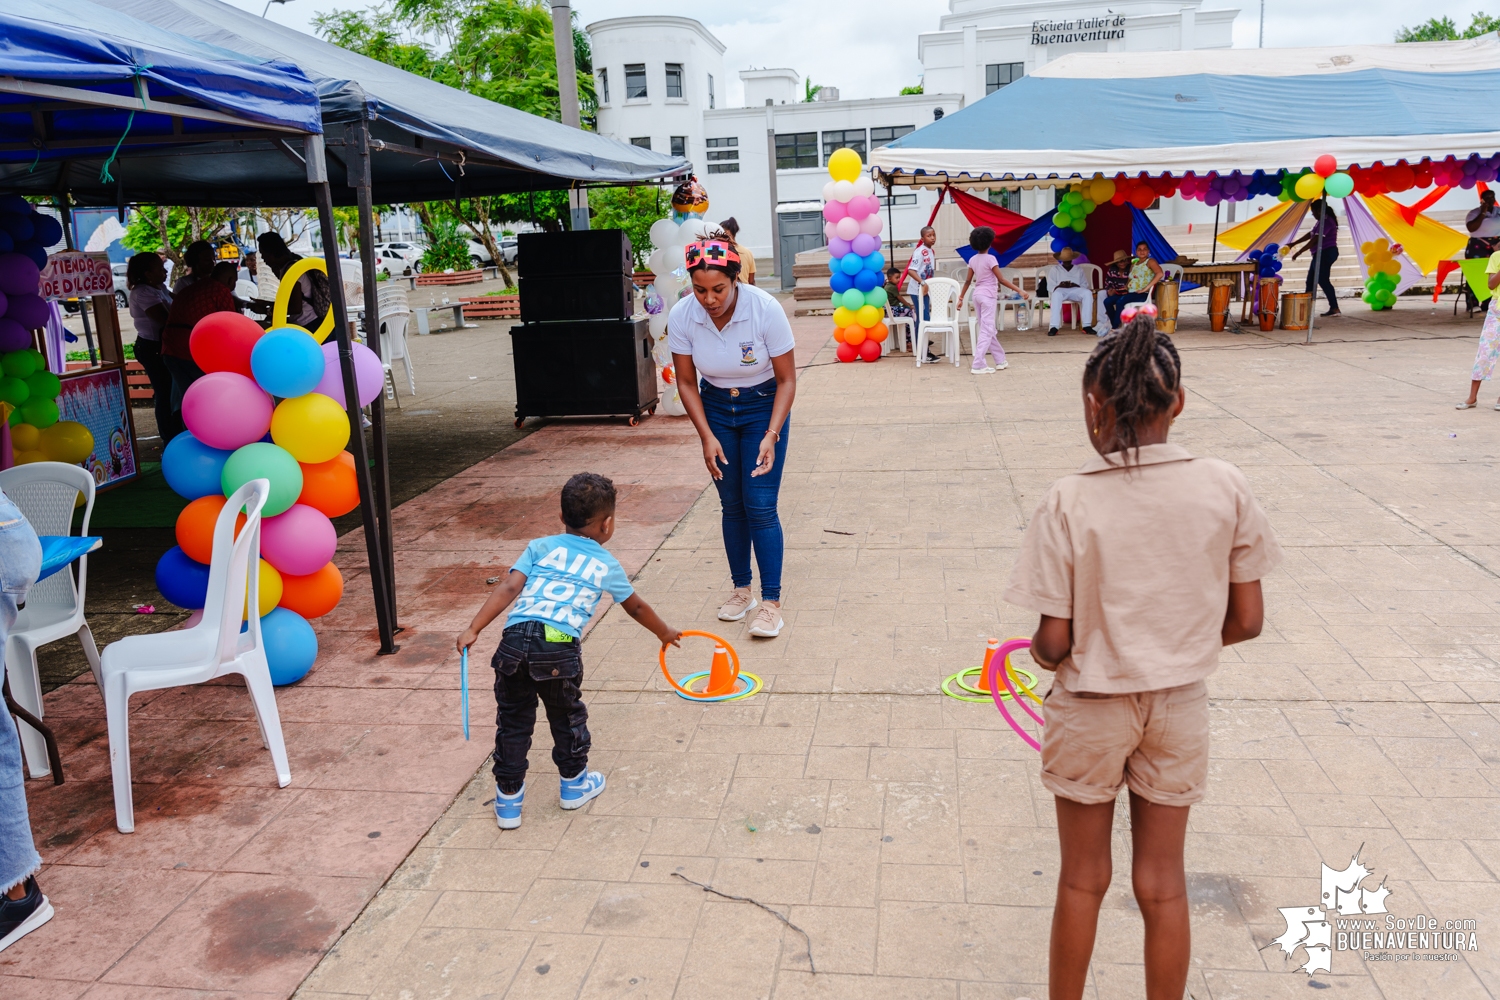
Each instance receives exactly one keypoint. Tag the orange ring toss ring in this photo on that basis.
(734, 660)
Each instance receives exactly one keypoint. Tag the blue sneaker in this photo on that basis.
(579, 789)
(508, 808)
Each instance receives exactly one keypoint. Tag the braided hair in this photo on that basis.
(1137, 374)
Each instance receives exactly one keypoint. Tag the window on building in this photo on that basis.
(603, 86)
(679, 145)
(997, 75)
(674, 79)
(643, 141)
(881, 136)
(635, 81)
(710, 91)
(724, 155)
(796, 149)
(898, 199)
(854, 138)
(1006, 198)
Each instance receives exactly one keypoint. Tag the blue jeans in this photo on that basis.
(921, 312)
(20, 562)
(1113, 304)
(740, 421)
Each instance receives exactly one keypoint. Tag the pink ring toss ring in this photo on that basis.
(1002, 659)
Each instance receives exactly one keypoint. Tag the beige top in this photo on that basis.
(747, 259)
(1141, 561)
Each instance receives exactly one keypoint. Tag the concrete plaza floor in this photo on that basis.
(908, 834)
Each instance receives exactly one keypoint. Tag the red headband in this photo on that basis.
(713, 253)
(1129, 312)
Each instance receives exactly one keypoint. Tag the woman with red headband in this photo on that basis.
(737, 340)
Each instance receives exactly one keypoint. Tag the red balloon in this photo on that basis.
(1118, 198)
(1325, 165)
(1142, 197)
(1401, 177)
(870, 350)
(222, 341)
(847, 353)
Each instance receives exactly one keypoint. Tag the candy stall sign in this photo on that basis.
(71, 275)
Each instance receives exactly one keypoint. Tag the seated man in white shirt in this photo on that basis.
(1066, 282)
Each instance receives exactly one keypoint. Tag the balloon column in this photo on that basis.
(1267, 260)
(1384, 271)
(668, 264)
(270, 406)
(851, 214)
(1073, 210)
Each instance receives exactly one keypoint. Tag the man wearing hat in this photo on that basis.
(1067, 282)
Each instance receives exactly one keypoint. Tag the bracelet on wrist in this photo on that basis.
(775, 434)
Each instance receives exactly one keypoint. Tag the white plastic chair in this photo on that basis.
(395, 315)
(1171, 272)
(901, 327)
(1021, 307)
(212, 648)
(47, 494)
(942, 293)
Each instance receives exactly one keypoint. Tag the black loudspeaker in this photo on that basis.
(587, 251)
(590, 368)
(565, 295)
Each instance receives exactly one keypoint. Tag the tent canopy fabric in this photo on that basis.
(432, 141)
(1225, 110)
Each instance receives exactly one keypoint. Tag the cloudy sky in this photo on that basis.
(874, 53)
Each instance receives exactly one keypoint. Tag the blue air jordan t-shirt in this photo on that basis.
(564, 577)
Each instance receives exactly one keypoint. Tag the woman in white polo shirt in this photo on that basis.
(736, 338)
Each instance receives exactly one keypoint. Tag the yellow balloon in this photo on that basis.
(26, 457)
(842, 317)
(1309, 186)
(867, 316)
(25, 437)
(312, 427)
(284, 297)
(1102, 190)
(270, 590)
(844, 164)
(67, 441)
(1391, 267)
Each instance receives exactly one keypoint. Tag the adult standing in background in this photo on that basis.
(146, 282)
(747, 259)
(1483, 224)
(192, 303)
(310, 298)
(1325, 232)
(199, 258)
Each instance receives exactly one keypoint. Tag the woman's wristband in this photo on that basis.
(776, 434)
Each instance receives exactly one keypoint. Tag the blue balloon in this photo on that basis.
(48, 230)
(875, 261)
(287, 362)
(36, 252)
(181, 580)
(833, 265)
(6, 243)
(1058, 243)
(840, 282)
(14, 203)
(866, 280)
(290, 643)
(851, 264)
(192, 468)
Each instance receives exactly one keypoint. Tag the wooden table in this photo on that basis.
(1242, 273)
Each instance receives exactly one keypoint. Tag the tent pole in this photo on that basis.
(1312, 305)
(1213, 249)
(361, 179)
(317, 170)
(890, 222)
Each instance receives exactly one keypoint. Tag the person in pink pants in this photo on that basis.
(984, 273)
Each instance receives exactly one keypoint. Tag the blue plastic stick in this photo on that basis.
(463, 680)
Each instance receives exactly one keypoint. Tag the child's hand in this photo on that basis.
(468, 639)
(670, 636)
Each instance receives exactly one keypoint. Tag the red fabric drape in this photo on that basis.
(1003, 221)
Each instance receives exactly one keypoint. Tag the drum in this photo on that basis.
(1270, 288)
(1295, 309)
(1220, 288)
(1166, 305)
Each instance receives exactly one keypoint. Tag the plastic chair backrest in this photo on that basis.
(47, 494)
(230, 584)
(1095, 275)
(1015, 276)
(943, 293)
(1171, 272)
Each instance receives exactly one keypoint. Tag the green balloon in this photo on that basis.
(1072, 197)
(44, 385)
(1088, 207)
(837, 300)
(1061, 219)
(18, 364)
(38, 359)
(1079, 224)
(15, 417)
(14, 391)
(1340, 185)
(263, 460)
(854, 298)
(876, 297)
(39, 413)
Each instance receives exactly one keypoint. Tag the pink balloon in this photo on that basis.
(839, 248)
(846, 228)
(871, 225)
(369, 375)
(833, 211)
(859, 207)
(298, 542)
(226, 410)
(828, 231)
(864, 244)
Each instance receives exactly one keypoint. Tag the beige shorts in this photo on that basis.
(1154, 741)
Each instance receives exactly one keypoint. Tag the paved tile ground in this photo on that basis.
(908, 834)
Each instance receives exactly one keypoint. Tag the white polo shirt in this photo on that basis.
(740, 354)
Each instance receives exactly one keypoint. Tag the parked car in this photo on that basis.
(122, 290)
(478, 255)
(509, 248)
(389, 261)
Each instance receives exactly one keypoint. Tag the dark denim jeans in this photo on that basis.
(1319, 270)
(148, 353)
(184, 373)
(20, 562)
(528, 667)
(1114, 303)
(739, 419)
(921, 313)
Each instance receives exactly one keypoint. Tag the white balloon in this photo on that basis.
(695, 229)
(871, 225)
(842, 191)
(671, 402)
(658, 323)
(657, 262)
(846, 229)
(828, 191)
(864, 187)
(663, 232)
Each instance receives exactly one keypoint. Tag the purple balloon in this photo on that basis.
(19, 274)
(369, 374)
(864, 244)
(29, 310)
(13, 336)
(4, 303)
(1468, 182)
(839, 247)
(36, 253)
(1213, 198)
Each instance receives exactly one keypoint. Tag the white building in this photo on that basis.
(661, 83)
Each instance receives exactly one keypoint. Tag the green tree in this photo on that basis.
(810, 90)
(1442, 29)
(445, 248)
(632, 209)
(169, 229)
(916, 89)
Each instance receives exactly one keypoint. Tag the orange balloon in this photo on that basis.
(315, 594)
(330, 486)
(878, 332)
(195, 527)
(838, 334)
(854, 334)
